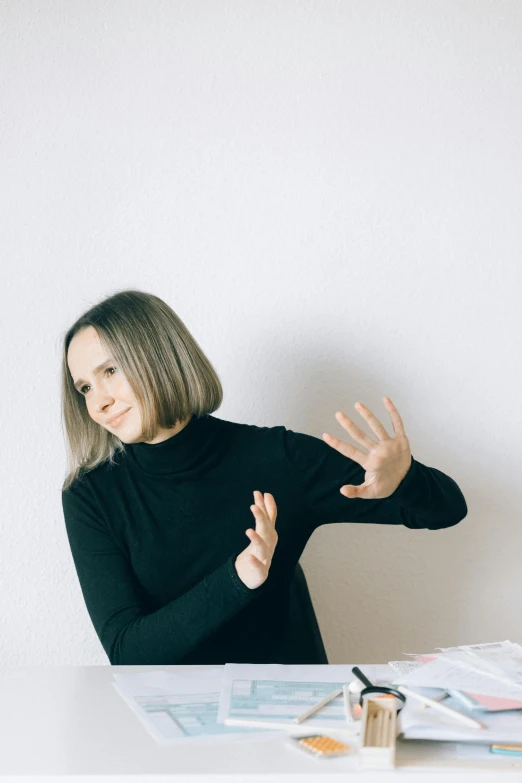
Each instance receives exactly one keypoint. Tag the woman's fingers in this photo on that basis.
(264, 526)
(266, 504)
(397, 423)
(265, 511)
(372, 420)
(259, 499)
(346, 449)
(253, 564)
(271, 507)
(351, 491)
(258, 547)
(356, 432)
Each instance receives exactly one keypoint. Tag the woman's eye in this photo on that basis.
(87, 386)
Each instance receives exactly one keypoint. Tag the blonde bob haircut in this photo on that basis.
(166, 369)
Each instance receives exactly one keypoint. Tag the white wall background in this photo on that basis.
(329, 195)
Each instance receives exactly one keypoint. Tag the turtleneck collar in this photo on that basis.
(178, 454)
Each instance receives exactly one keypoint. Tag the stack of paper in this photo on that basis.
(490, 673)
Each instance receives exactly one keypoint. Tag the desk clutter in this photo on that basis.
(469, 694)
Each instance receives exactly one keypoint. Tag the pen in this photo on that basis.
(441, 707)
(304, 715)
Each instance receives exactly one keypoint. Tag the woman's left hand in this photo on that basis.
(388, 460)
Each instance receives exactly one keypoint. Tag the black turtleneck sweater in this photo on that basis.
(155, 535)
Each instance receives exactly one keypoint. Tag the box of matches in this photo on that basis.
(378, 733)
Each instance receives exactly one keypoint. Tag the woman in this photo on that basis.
(158, 497)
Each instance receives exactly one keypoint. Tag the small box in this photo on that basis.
(321, 746)
(378, 733)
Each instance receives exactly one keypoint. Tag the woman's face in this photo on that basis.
(106, 390)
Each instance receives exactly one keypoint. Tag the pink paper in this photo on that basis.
(495, 703)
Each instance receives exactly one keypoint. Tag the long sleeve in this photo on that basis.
(117, 603)
(154, 535)
(426, 497)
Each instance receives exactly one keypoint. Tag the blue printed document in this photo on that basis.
(176, 708)
(273, 695)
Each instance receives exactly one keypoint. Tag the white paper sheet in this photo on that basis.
(180, 708)
(453, 675)
(277, 694)
(404, 667)
(500, 659)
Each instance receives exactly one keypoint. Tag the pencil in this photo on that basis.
(304, 715)
(467, 721)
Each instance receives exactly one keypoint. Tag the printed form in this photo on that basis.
(180, 708)
(275, 694)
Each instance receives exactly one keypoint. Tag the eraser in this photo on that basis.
(510, 750)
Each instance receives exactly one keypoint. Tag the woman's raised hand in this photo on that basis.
(253, 564)
(388, 459)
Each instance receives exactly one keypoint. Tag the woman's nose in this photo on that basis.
(103, 402)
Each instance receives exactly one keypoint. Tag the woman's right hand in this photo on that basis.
(253, 564)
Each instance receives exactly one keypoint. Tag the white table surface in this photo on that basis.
(68, 722)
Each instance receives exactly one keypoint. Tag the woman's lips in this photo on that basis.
(116, 422)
